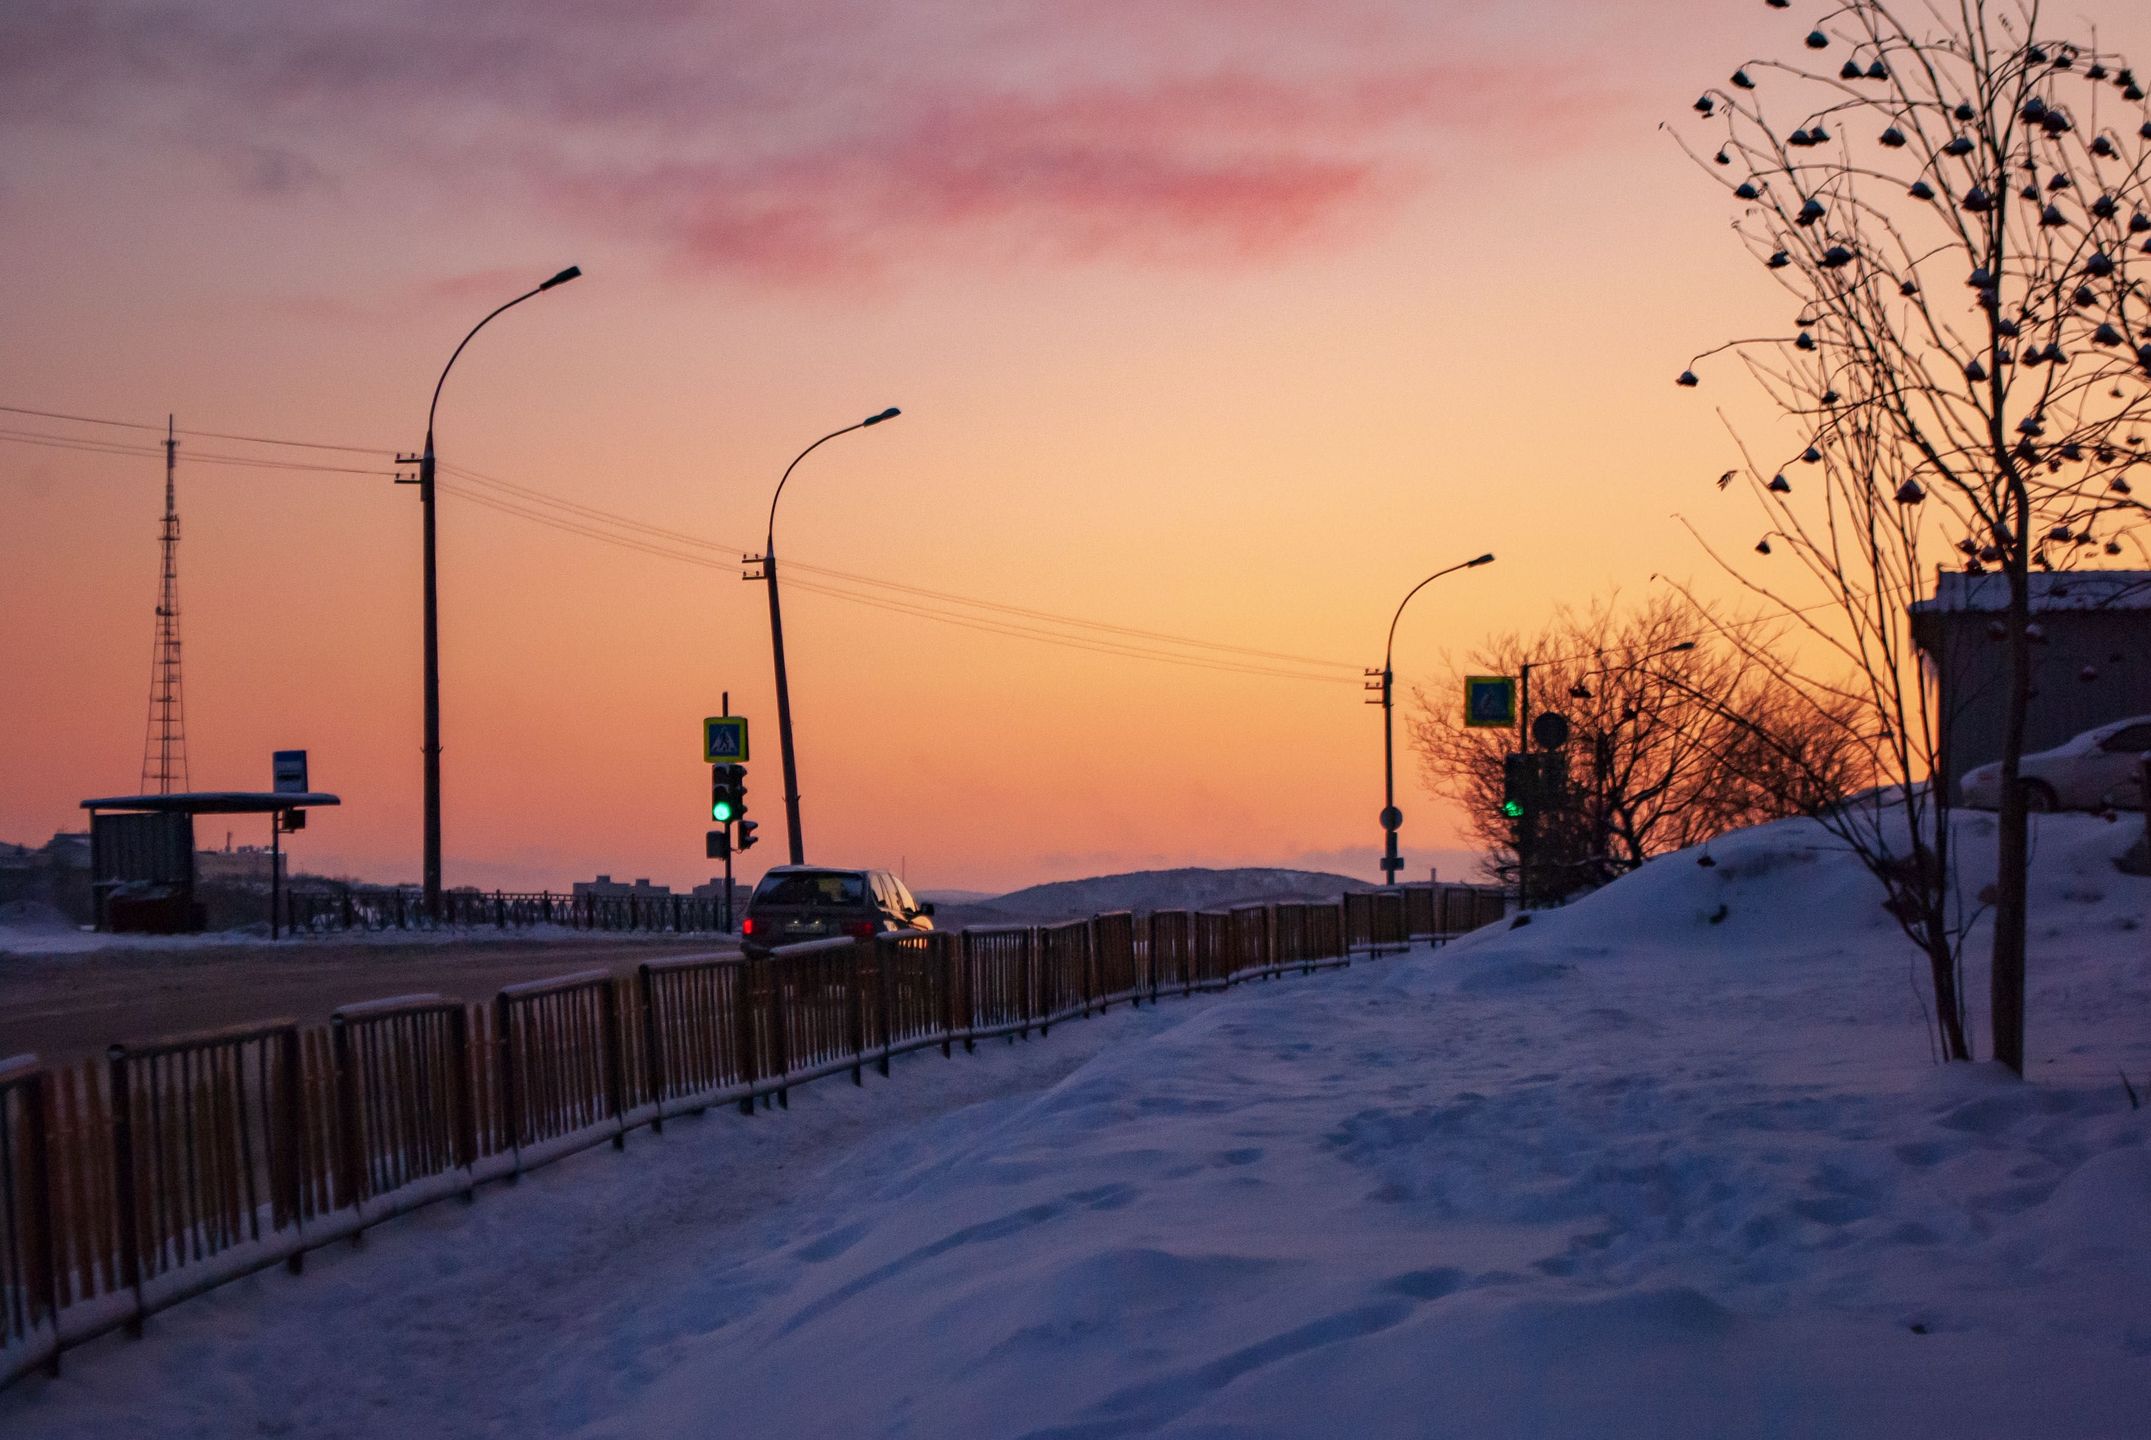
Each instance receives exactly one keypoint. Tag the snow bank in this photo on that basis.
(1622, 1172)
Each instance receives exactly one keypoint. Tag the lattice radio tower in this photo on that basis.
(164, 746)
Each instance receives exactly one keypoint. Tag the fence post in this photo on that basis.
(511, 1113)
(1044, 987)
(966, 958)
(1093, 988)
(615, 1059)
(653, 1053)
(123, 1185)
(855, 1013)
(949, 993)
(743, 1031)
(780, 1043)
(37, 1133)
(459, 1049)
(353, 1163)
(294, 1128)
(882, 967)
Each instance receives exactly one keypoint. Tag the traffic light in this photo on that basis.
(1516, 777)
(726, 784)
(746, 835)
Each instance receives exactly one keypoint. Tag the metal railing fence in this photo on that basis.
(130, 1182)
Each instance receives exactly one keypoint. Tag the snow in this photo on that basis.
(1625, 1171)
(2065, 590)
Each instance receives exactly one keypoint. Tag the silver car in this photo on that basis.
(2095, 769)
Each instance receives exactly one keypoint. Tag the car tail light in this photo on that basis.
(860, 929)
(746, 926)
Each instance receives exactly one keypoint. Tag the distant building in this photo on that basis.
(67, 850)
(240, 865)
(56, 873)
(607, 888)
(2091, 662)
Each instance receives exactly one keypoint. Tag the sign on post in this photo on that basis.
(724, 739)
(1489, 701)
(289, 769)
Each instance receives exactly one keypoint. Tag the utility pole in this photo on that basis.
(1524, 821)
(164, 746)
(727, 916)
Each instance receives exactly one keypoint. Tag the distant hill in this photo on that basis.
(1185, 889)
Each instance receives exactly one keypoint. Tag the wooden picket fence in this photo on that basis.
(132, 1182)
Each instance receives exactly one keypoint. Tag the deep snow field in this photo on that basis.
(1621, 1172)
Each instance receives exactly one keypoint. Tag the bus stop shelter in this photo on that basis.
(142, 853)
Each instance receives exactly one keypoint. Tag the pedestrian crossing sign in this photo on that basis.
(724, 740)
(1489, 701)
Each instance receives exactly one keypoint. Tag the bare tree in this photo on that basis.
(1667, 744)
(1960, 216)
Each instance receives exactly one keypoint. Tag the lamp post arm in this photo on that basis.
(1389, 647)
(771, 544)
(436, 405)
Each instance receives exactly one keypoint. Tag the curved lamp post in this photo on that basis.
(792, 833)
(433, 644)
(1392, 817)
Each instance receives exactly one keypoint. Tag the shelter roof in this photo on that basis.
(218, 802)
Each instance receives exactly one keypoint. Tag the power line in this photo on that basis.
(947, 597)
(590, 522)
(203, 434)
(116, 447)
(971, 622)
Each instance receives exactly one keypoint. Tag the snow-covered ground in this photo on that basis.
(1630, 1170)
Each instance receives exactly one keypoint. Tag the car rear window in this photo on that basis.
(830, 888)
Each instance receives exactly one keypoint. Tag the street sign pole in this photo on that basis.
(726, 914)
(1525, 821)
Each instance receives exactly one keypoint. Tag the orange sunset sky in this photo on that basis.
(1225, 320)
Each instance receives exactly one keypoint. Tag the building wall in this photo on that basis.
(1967, 663)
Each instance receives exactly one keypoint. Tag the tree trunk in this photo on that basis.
(2013, 850)
(1948, 1004)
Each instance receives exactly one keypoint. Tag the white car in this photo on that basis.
(2085, 773)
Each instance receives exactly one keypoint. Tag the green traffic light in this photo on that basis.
(1514, 809)
(722, 812)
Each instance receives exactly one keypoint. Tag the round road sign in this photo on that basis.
(1550, 730)
(1392, 818)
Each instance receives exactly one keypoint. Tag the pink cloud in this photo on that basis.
(814, 139)
(1229, 166)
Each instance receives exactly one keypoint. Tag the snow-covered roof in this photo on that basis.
(2050, 592)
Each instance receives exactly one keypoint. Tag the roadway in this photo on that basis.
(66, 1006)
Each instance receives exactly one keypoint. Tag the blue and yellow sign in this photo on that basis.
(724, 739)
(1489, 700)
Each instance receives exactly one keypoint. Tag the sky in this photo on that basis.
(1222, 322)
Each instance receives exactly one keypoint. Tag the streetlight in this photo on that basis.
(776, 640)
(433, 638)
(1392, 817)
